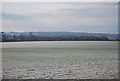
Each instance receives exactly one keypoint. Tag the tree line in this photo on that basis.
(32, 37)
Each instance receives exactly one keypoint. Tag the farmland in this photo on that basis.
(60, 60)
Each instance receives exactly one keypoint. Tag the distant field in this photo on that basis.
(60, 59)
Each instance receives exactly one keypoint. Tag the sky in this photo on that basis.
(59, 0)
(60, 16)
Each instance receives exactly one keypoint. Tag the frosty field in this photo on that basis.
(60, 60)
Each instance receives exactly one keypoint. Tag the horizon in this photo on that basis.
(60, 32)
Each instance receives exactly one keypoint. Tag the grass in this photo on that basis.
(57, 53)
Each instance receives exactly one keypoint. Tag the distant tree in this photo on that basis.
(31, 37)
(15, 38)
(94, 38)
(4, 38)
(21, 37)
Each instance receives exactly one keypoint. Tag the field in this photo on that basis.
(60, 60)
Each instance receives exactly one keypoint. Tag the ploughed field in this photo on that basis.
(60, 60)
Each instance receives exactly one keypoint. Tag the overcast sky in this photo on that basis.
(64, 16)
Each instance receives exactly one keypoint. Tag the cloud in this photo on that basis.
(88, 17)
(60, 0)
(13, 16)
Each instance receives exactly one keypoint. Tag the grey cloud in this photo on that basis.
(93, 17)
(14, 16)
(90, 12)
